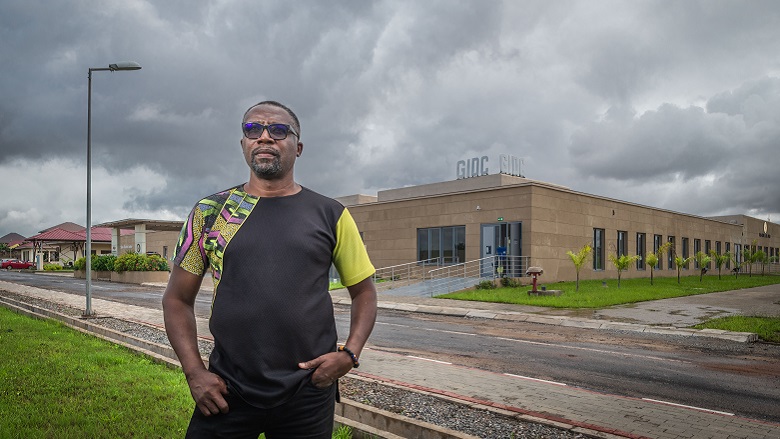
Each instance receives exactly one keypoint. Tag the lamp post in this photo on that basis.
(111, 67)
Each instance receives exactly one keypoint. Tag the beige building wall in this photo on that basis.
(554, 220)
(160, 242)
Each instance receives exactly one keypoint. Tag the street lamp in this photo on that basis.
(129, 65)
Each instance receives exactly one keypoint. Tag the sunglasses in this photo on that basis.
(277, 131)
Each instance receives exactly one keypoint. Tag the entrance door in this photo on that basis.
(503, 240)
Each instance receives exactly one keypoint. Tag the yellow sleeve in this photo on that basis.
(349, 255)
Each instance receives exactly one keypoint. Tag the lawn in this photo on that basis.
(56, 382)
(767, 328)
(600, 294)
(61, 383)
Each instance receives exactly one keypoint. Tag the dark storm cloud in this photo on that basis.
(598, 96)
(722, 157)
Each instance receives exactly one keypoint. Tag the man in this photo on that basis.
(269, 243)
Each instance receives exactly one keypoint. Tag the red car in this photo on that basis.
(16, 264)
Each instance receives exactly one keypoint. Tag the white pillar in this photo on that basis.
(140, 239)
(115, 232)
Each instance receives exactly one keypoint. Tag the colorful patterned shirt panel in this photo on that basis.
(208, 230)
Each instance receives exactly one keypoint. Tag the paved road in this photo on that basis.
(525, 394)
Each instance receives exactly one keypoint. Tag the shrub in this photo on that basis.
(139, 262)
(509, 282)
(103, 262)
(80, 264)
(52, 267)
(486, 285)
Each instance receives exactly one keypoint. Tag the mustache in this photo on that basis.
(264, 151)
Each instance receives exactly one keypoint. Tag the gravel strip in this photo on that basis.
(424, 407)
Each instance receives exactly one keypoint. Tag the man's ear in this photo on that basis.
(300, 149)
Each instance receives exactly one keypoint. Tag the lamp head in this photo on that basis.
(126, 65)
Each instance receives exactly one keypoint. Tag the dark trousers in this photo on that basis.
(308, 415)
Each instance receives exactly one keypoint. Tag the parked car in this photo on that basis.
(15, 264)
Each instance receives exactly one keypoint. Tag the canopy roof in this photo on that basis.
(158, 225)
(99, 234)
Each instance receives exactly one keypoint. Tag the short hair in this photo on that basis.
(278, 105)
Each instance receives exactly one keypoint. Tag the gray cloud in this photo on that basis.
(600, 96)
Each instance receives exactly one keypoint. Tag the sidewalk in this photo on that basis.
(571, 407)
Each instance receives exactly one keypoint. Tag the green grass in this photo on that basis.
(56, 382)
(767, 328)
(593, 294)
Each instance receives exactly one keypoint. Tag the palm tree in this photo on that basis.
(702, 260)
(653, 258)
(679, 263)
(748, 257)
(737, 264)
(719, 259)
(622, 263)
(761, 258)
(578, 260)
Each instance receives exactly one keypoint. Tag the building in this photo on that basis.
(144, 236)
(487, 215)
(65, 243)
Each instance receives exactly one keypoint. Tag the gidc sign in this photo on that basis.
(478, 166)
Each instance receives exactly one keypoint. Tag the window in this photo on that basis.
(737, 254)
(685, 250)
(598, 249)
(707, 248)
(696, 250)
(622, 243)
(447, 244)
(718, 248)
(671, 253)
(656, 247)
(728, 261)
(640, 250)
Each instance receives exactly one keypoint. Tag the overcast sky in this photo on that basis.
(671, 104)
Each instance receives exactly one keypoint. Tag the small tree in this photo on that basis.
(5, 249)
(761, 258)
(679, 263)
(702, 260)
(749, 256)
(652, 258)
(719, 259)
(737, 263)
(578, 260)
(622, 263)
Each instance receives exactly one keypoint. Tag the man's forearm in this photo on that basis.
(181, 326)
(362, 317)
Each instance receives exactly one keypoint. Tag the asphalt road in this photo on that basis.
(712, 374)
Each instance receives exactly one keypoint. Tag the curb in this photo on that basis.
(365, 421)
(740, 337)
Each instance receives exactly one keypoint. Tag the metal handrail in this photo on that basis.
(467, 274)
(402, 274)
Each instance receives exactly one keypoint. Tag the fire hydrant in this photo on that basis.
(534, 272)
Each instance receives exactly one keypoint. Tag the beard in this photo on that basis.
(267, 169)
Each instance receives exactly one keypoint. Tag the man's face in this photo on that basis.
(271, 159)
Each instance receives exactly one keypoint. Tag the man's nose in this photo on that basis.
(265, 136)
